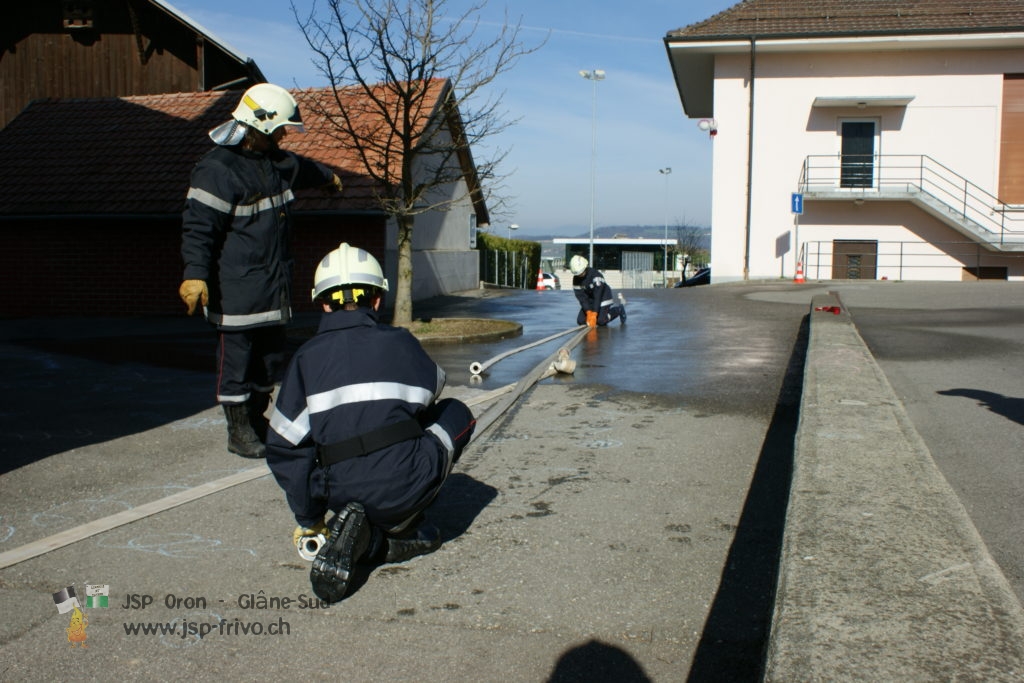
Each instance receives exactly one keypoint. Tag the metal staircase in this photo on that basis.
(926, 183)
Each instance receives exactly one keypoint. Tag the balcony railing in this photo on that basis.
(917, 178)
(892, 260)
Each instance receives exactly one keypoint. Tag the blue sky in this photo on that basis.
(641, 126)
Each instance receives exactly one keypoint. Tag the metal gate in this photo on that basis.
(636, 269)
(506, 269)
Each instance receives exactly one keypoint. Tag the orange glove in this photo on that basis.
(591, 318)
(192, 292)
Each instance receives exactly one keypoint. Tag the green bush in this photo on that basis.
(499, 270)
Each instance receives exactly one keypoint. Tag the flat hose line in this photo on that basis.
(477, 368)
(511, 393)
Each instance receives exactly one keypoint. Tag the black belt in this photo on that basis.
(371, 441)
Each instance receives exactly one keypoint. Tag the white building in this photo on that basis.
(625, 262)
(899, 124)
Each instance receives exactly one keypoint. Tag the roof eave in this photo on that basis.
(453, 118)
(692, 57)
(694, 76)
(235, 54)
(809, 42)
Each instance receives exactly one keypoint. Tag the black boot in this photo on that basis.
(423, 539)
(347, 544)
(258, 403)
(242, 440)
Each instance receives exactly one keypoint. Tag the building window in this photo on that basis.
(77, 14)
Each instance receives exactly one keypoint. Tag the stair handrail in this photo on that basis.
(923, 174)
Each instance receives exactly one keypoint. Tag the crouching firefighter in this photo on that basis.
(594, 294)
(357, 429)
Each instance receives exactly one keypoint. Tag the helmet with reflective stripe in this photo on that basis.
(264, 107)
(577, 264)
(267, 107)
(345, 273)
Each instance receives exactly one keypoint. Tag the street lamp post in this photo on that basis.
(664, 272)
(595, 76)
(511, 228)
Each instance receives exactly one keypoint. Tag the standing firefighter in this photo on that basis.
(596, 298)
(235, 238)
(357, 429)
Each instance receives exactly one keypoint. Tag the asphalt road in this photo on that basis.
(622, 520)
(625, 521)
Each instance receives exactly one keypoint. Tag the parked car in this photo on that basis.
(548, 281)
(701, 277)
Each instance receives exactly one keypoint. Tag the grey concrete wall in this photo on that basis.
(883, 575)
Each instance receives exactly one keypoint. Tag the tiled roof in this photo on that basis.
(134, 155)
(795, 18)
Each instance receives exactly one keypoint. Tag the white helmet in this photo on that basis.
(345, 272)
(578, 264)
(265, 107)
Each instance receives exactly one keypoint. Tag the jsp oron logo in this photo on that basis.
(67, 602)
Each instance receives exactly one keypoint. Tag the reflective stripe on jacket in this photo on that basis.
(235, 232)
(354, 376)
(593, 293)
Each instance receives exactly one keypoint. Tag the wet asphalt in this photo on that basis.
(623, 523)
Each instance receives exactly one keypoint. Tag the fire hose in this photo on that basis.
(557, 363)
(477, 368)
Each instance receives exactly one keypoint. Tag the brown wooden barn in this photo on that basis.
(104, 109)
(101, 48)
(91, 194)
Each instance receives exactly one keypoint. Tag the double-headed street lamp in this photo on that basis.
(664, 272)
(595, 76)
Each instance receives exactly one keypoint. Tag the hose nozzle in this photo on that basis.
(309, 546)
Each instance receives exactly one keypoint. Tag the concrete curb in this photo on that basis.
(883, 575)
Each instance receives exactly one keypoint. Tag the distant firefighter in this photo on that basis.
(597, 301)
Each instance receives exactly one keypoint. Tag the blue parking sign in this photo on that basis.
(796, 203)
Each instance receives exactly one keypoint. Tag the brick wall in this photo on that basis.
(124, 268)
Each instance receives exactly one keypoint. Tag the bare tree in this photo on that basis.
(692, 241)
(406, 77)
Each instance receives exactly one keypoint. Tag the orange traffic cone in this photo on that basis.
(540, 279)
(799, 279)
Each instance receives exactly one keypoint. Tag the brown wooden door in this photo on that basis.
(1011, 142)
(853, 260)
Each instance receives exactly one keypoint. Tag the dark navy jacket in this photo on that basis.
(354, 376)
(236, 229)
(594, 294)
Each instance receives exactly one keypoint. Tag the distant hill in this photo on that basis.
(635, 231)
